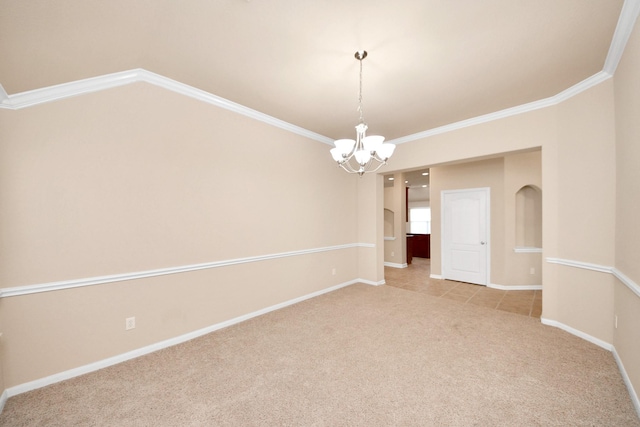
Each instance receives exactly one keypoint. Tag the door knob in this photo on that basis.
(482, 243)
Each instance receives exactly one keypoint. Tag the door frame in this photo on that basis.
(487, 192)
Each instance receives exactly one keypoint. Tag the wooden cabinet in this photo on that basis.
(420, 245)
(409, 248)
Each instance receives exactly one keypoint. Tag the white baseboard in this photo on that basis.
(436, 276)
(627, 381)
(515, 288)
(396, 265)
(91, 367)
(3, 399)
(623, 372)
(573, 331)
(369, 282)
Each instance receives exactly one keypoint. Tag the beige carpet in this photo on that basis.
(360, 356)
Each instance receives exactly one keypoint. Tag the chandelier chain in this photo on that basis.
(360, 96)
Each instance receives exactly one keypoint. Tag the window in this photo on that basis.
(420, 221)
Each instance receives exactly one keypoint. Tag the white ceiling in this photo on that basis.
(430, 63)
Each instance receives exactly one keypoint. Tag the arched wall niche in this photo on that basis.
(529, 217)
(389, 217)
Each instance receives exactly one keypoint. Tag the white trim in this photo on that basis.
(436, 276)
(579, 264)
(3, 399)
(624, 27)
(515, 287)
(370, 282)
(108, 81)
(3, 95)
(74, 88)
(577, 333)
(91, 367)
(633, 286)
(395, 265)
(366, 245)
(627, 381)
(68, 284)
(626, 21)
(508, 112)
(626, 281)
(389, 238)
(527, 250)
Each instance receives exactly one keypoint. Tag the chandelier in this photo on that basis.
(366, 153)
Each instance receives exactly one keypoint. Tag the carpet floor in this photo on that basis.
(359, 356)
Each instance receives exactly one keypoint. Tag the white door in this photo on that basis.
(465, 235)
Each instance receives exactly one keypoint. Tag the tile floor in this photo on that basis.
(416, 278)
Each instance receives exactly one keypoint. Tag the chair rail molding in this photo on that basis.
(68, 284)
(633, 286)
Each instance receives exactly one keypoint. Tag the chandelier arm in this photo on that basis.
(347, 166)
(378, 158)
(378, 167)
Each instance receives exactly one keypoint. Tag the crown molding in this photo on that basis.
(508, 112)
(108, 81)
(624, 27)
(626, 22)
(66, 90)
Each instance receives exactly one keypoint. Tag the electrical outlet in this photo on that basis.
(532, 270)
(333, 271)
(616, 321)
(129, 323)
(393, 253)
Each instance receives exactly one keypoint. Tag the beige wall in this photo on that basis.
(520, 170)
(586, 168)
(370, 226)
(504, 176)
(395, 251)
(579, 179)
(627, 245)
(484, 173)
(2, 383)
(585, 231)
(575, 136)
(138, 178)
(627, 108)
